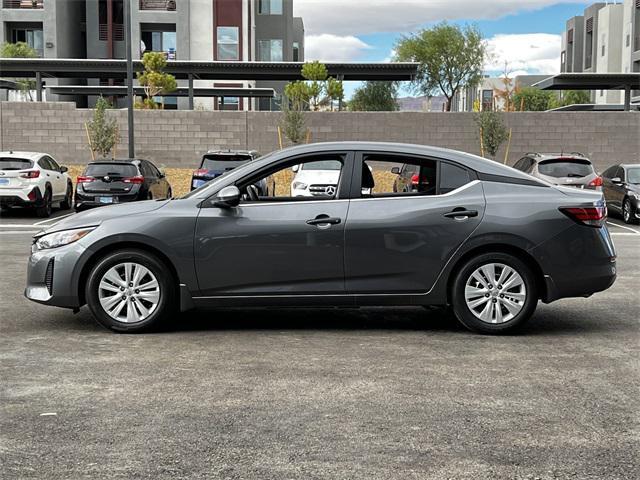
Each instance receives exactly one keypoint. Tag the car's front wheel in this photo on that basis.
(130, 291)
(494, 293)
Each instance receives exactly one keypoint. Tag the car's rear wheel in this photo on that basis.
(44, 210)
(627, 212)
(130, 291)
(68, 198)
(494, 293)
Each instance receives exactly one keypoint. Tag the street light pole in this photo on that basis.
(127, 36)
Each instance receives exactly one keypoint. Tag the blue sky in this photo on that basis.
(523, 33)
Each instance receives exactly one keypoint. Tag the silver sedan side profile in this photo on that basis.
(481, 237)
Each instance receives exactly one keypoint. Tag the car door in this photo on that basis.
(162, 186)
(275, 246)
(49, 175)
(399, 242)
(608, 187)
(151, 180)
(58, 179)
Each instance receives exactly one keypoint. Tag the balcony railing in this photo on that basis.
(30, 4)
(169, 5)
(118, 32)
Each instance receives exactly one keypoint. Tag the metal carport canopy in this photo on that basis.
(264, 71)
(593, 81)
(179, 92)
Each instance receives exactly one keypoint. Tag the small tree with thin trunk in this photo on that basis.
(492, 131)
(154, 80)
(103, 131)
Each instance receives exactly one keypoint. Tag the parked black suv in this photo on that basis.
(622, 191)
(109, 182)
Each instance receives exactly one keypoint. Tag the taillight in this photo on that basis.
(415, 179)
(596, 182)
(200, 173)
(83, 179)
(138, 179)
(592, 216)
(30, 174)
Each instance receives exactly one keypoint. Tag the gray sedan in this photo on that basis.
(484, 238)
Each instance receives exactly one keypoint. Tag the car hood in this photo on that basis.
(98, 215)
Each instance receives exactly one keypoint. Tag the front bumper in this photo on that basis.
(52, 276)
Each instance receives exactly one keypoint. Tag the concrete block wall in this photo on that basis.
(179, 138)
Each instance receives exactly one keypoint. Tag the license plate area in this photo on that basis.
(107, 200)
(4, 181)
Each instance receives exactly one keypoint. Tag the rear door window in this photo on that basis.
(53, 163)
(452, 177)
(45, 164)
(15, 164)
(559, 168)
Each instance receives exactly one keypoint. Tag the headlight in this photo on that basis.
(299, 186)
(58, 239)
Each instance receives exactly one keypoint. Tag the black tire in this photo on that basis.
(44, 210)
(166, 306)
(628, 215)
(169, 195)
(68, 198)
(464, 313)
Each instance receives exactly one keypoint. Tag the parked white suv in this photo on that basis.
(314, 179)
(31, 179)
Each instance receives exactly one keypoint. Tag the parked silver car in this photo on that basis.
(488, 240)
(569, 170)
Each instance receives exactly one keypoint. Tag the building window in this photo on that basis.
(229, 103)
(487, 99)
(603, 50)
(154, 41)
(296, 52)
(628, 40)
(270, 7)
(31, 37)
(270, 50)
(227, 41)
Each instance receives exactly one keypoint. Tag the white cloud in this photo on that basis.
(534, 53)
(357, 17)
(333, 48)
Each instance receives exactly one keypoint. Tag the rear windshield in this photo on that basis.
(633, 175)
(15, 163)
(112, 169)
(222, 163)
(565, 168)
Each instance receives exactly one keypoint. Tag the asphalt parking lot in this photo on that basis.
(281, 394)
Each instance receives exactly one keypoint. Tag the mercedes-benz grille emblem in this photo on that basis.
(330, 190)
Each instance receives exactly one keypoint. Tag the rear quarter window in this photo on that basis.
(103, 169)
(15, 163)
(565, 168)
(452, 177)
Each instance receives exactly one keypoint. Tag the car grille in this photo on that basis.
(48, 277)
(317, 190)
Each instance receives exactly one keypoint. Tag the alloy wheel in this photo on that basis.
(495, 293)
(129, 292)
(626, 211)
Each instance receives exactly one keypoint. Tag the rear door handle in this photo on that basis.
(324, 221)
(461, 214)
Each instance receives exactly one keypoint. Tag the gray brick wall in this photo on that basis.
(179, 138)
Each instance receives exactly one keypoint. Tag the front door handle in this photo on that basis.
(324, 221)
(461, 214)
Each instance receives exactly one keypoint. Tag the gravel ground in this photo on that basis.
(321, 393)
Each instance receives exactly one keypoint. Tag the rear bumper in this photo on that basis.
(29, 196)
(579, 262)
(84, 202)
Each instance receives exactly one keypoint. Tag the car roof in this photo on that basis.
(474, 162)
(541, 157)
(628, 165)
(26, 155)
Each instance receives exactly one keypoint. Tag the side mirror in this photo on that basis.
(395, 170)
(295, 168)
(228, 197)
(616, 180)
(63, 169)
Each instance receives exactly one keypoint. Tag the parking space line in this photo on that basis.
(623, 226)
(623, 234)
(16, 225)
(21, 232)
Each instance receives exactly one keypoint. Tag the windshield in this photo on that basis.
(323, 165)
(565, 168)
(112, 169)
(224, 162)
(633, 175)
(15, 163)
